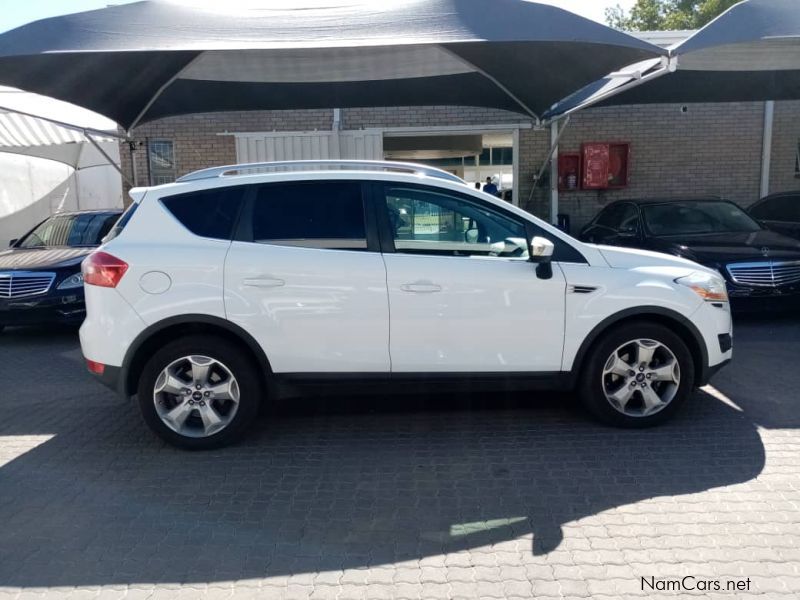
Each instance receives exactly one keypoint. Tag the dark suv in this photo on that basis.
(779, 212)
(758, 264)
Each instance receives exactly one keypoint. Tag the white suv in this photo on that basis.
(245, 284)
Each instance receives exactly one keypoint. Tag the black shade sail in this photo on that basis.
(147, 60)
(749, 53)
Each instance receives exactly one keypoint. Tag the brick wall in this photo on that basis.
(711, 149)
(197, 139)
(785, 137)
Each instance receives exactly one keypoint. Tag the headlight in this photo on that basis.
(709, 287)
(72, 282)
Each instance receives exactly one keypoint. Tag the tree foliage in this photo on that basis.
(654, 15)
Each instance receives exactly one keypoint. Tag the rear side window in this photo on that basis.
(207, 213)
(315, 214)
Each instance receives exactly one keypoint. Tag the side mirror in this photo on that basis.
(541, 250)
(12, 242)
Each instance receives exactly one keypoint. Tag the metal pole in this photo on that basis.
(555, 134)
(134, 169)
(766, 148)
(105, 155)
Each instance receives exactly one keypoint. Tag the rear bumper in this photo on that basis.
(111, 378)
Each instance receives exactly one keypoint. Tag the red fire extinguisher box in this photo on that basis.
(605, 165)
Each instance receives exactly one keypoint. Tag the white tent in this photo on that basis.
(53, 157)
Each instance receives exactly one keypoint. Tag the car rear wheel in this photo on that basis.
(638, 375)
(200, 392)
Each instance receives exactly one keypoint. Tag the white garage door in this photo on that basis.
(313, 145)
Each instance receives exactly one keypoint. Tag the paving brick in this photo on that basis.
(357, 502)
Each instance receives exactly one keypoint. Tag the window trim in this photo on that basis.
(377, 196)
(245, 227)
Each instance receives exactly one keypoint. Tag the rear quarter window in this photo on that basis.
(207, 213)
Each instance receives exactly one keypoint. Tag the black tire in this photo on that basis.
(590, 386)
(240, 364)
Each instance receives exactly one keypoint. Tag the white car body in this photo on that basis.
(320, 311)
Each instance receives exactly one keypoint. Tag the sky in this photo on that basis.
(25, 11)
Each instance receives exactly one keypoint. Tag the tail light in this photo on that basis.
(102, 269)
(95, 367)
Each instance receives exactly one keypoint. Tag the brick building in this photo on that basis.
(707, 149)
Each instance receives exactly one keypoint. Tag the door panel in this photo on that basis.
(305, 278)
(311, 310)
(475, 314)
(462, 295)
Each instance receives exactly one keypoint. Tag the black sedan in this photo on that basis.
(759, 265)
(40, 273)
(779, 212)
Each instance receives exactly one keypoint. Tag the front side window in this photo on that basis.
(697, 217)
(315, 214)
(425, 221)
(620, 218)
(70, 230)
(161, 161)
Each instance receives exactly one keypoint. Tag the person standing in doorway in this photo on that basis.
(490, 188)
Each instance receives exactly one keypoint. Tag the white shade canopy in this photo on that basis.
(51, 129)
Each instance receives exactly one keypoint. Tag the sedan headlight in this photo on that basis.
(710, 288)
(72, 282)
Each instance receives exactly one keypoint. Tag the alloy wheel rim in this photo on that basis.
(196, 396)
(641, 377)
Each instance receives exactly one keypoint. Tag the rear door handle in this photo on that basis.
(264, 282)
(421, 287)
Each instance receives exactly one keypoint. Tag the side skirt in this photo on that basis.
(300, 384)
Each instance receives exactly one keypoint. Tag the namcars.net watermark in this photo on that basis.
(690, 583)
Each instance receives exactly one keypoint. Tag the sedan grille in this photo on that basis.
(16, 284)
(765, 274)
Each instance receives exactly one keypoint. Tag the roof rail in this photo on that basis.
(319, 165)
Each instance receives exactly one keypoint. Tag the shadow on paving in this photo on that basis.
(324, 484)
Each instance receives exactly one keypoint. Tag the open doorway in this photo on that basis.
(477, 156)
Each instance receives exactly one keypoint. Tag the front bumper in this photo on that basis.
(764, 300)
(55, 307)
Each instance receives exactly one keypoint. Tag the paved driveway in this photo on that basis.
(384, 498)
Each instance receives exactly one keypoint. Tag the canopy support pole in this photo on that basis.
(106, 156)
(668, 65)
(555, 137)
(766, 148)
(555, 134)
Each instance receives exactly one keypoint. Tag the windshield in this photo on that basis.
(70, 230)
(687, 217)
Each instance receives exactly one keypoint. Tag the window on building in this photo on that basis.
(161, 161)
(319, 214)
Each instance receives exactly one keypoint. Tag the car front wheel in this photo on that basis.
(200, 392)
(637, 375)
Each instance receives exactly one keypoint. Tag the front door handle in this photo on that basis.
(421, 287)
(263, 282)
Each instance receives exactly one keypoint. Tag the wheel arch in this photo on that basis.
(159, 333)
(682, 326)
